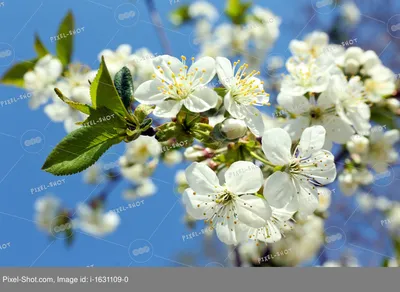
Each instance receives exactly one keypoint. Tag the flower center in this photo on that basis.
(225, 198)
(179, 85)
(246, 89)
(316, 113)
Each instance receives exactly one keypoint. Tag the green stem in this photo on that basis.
(263, 160)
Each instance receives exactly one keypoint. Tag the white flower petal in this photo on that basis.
(205, 68)
(167, 109)
(324, 171)
(307, 198)
(312, 140)
(226, 231)
(201, 100)
(202, 179)
(279, 189)
(225, 71)
(168, 65)
(295, 127)
(337, 130)
(276, 144)
(196, 204)
(238, 111)
(294, 104)
(253, 211)
(254, 121)
(243, 177)
(148, 93)
(391, 137)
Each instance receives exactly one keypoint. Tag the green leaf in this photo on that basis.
(84, 146)
(104, 115)
(396, 243)
(142, 111)
(65, 44)
(180, 15)
(124, 84)
(84, 108)
(221, 91)
(236, 11)
(383, 117)
(39, 47)
(104, 93)
(15, 75)
(385, 263)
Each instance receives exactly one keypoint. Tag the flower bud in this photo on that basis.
(233, 129)
(358, 144)
(393, 104)
(351, 67)
(197, 153)
(354, 53)
(370, 59)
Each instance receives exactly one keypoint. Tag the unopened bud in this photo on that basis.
(233, 129)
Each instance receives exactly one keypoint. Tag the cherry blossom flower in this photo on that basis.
(40, 81)
(295, 185)
(244, 92)
(95, 221)
(226, 207)
(176, 85)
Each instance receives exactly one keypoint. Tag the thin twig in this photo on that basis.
(156, 20)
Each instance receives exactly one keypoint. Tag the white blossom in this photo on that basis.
(176, 85)
(75, 86)
(116, 60)
(40, 81)
(226, 207)
(47, 209)
(146, 188)
(351, 13)
(95, 221)
(295, 185)
(381, 150)
(305, 75)
(244, 92)
(203, 9)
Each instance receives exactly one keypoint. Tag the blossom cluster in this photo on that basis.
(252, 177)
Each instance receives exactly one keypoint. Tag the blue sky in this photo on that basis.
(159, 219)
